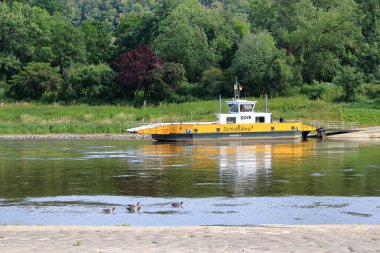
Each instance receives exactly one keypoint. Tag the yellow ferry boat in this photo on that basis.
(241, 122)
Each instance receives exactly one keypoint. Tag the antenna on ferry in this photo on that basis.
(220, 104)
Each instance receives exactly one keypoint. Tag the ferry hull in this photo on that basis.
(228, 136)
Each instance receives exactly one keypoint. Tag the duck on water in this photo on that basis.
(177, 204)
(134, 208)
(109, 210)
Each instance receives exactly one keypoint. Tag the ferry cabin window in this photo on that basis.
(260, 119)
(231, 120)
(245, 108)
(233, 108)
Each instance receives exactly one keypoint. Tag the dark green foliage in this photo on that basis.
(372, 91)
(52, 6)
(68, 44)
(36, 81)
(193, 36)
(324, 37)
(90, 82)
(263, 69)
(313, 91)
(133, 31)
(9, 65)
(158, 89)
(350, 80)
(280, 75)
(214, 82)
(165, 81)
(23, 30)
(273, 46)
(98, 41)
(110, 12)
(263, 15)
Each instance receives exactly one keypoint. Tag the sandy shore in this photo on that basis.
(271, 238)
(362, 133)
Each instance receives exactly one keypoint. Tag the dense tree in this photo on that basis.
(108, 11)
(213, 81)
(133, 31)
(98, 41)
(369, 60)
(281, 75)
(9, 65)
(272, 46)
(193, 36)
(89, 82)
(134, 69)
(52, 6)
(253, 61)
(36, 81)
(68, 44)
(326, 36)
(264, 15)
(140, 28)
(165, 81)
(351, 81)
(23, 30)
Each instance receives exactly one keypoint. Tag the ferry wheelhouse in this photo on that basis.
(241, 122)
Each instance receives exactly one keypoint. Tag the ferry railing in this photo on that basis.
(333, 125)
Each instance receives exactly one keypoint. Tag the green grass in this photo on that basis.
(78, 243)
(39, 119)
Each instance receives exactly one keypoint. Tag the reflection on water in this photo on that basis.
(36, 175)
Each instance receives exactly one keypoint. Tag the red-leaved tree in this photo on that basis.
(134, 68)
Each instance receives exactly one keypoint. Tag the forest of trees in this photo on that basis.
(103, 51)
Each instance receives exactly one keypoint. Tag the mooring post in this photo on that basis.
(321, 133)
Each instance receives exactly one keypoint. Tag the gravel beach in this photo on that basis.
(262, 238)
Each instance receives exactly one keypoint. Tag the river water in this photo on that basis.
(231, 183)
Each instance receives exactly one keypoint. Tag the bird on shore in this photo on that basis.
(109, 210)
(134, 208)
(177, 204)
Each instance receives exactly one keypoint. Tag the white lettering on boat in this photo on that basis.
(238, 128)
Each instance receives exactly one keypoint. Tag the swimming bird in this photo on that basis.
(177, 204)
(109, 210)
(134, 208)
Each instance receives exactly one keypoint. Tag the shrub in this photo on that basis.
(372, 90)
(35, 80)
(350, 79)
(313, 91)
(91, 82)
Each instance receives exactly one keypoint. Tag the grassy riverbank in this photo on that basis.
(39, 119)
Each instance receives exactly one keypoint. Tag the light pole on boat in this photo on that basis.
(237, 89)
